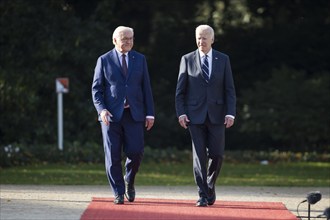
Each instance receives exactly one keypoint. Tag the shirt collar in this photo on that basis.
(209, 54)
(120, 53)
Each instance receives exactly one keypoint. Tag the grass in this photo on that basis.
(169, 174)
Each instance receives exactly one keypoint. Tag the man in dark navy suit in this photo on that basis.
(205, 103)
(123, 99)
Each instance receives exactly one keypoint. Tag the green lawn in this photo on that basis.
(281, 174)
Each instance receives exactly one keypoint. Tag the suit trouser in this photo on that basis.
(208, 141)
(126, 135)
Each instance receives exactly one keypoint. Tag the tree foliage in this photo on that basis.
(291, 107)
(279, 52)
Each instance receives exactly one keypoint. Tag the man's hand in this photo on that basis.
(149, 123)
(105, 117)
(183, 120)
(229, 122)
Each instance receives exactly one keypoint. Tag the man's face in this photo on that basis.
(204, 41)
(124, 42)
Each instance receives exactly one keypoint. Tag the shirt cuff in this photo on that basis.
(150, 117)
(230, 116)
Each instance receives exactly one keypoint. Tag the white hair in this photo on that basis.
(120, 29)
(205, 28)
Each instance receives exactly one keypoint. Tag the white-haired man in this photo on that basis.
(205, 103)
(123, 99)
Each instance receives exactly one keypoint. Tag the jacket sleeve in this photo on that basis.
(147, 92)
(181, 88)
(230, 93)
(98, 86)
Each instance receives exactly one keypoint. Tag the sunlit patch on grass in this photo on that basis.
(171, 174)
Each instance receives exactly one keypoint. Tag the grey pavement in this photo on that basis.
(33, 202)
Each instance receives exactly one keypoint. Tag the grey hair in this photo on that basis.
(120, 29)
(205, 28)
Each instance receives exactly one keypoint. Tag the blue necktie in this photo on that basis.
(205, 69)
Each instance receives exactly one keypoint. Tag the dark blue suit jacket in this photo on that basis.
(110, 87)
(198, 99)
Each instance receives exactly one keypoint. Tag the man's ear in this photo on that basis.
(114, 41)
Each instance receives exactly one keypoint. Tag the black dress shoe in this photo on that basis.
(119, 199)
(211, 197)
(202, 202)
(129, 192)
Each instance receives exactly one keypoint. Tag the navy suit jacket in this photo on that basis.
(110, 87)
(196, 98)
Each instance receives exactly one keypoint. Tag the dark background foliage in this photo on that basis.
(279, 53)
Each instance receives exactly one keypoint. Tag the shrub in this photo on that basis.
(74, 153)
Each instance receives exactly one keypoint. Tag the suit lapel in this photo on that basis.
(131, 63)
(215, 65)
(199, 66)
(115, 58)
(198, 61)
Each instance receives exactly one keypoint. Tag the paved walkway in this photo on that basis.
(31, 202)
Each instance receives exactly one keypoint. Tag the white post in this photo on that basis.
(62, 86)
(60, 119)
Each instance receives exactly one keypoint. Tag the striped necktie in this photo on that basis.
(205, 69)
